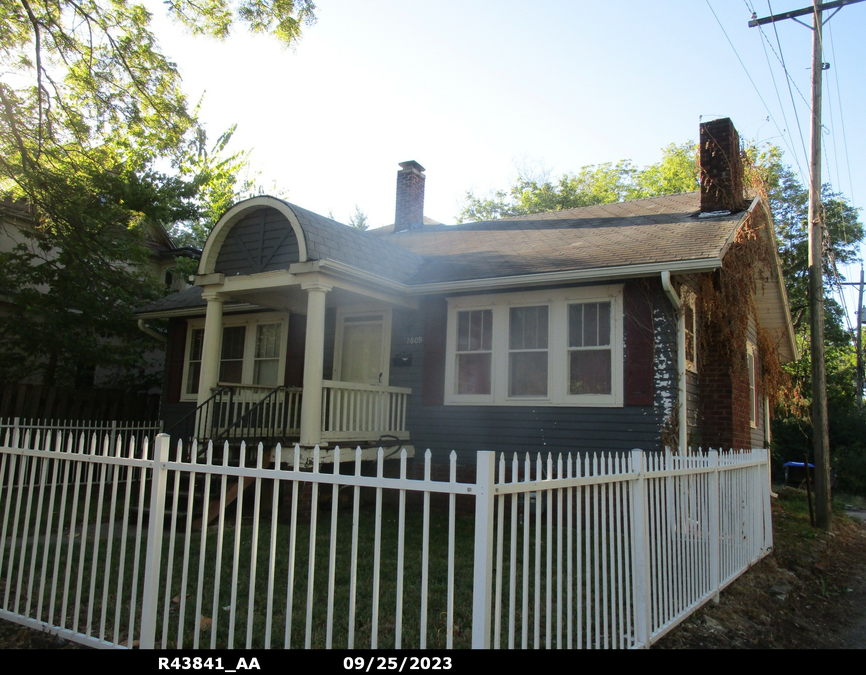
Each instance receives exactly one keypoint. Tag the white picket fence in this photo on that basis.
(556, 552)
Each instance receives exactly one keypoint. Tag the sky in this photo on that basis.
(475, 90)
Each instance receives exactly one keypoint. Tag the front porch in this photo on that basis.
(352, 414)
(287, 334)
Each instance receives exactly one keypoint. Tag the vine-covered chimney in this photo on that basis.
(721, 167)
(410, 197)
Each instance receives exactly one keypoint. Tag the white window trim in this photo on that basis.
(754, 399)
(557, 380)
(363, 310)
(250, 321)
(691, 358)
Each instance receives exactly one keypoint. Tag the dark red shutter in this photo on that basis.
(297, 344)
(176, 351)
(639, 347)
(435, 311)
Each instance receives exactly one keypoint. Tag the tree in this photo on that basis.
(358, 220)
(217, 179)
(595, 184)
(89, 107)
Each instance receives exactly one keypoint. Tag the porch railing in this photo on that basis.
(248, 411)
(351, 411)
(252, 411)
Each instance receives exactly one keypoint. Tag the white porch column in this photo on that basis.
(314, 355)
(211, 344)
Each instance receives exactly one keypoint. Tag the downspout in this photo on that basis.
(681, 360)
(149, 331)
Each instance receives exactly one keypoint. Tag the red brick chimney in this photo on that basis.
(721, 167)
(410, 197)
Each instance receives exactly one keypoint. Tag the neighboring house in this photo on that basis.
(573, 330)
(16, 220)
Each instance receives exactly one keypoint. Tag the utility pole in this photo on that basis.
(821, 440)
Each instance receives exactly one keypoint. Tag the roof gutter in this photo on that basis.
(694, 266)
(674, 297)
(149, 331)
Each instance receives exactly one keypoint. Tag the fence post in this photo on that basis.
(715, 511)
(640, 548)
(765, 499)
(150, 594)
(483, 575)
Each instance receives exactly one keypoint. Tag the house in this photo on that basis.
(24, 395)
(593, 328)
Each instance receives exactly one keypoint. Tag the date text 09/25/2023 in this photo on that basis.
(350, 663)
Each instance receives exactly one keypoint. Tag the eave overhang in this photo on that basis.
(600, 274)
(200, 310)
(771, 300)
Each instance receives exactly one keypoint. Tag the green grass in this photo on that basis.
(217, 607)
(437, 585)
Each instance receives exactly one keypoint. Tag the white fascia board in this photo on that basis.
(258, 282)
(343, 269)
(546, 278)
(780, 277)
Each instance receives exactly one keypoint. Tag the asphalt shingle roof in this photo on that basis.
(655, 230)
(327, 238)
(185, 299)
(645, 231)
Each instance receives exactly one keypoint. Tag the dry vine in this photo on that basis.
(726, 302)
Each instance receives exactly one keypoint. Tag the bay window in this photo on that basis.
(554, 347)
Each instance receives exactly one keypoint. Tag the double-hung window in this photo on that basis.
(691, 333)
(527, 350)
(754, 397)
(589, 348)
(252, 351)
(554, 347)
(474, 352)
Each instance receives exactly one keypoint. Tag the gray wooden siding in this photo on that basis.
(468, 429)
(261, 241)
(665, 361)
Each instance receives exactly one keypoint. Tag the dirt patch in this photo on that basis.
(15, 636)
(810, 593)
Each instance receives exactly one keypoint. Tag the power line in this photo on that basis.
(757, 91)
(781, 106)
(841, 116)
(790, 93)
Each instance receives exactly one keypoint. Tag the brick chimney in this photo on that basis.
(721, 167)
(410, 197)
